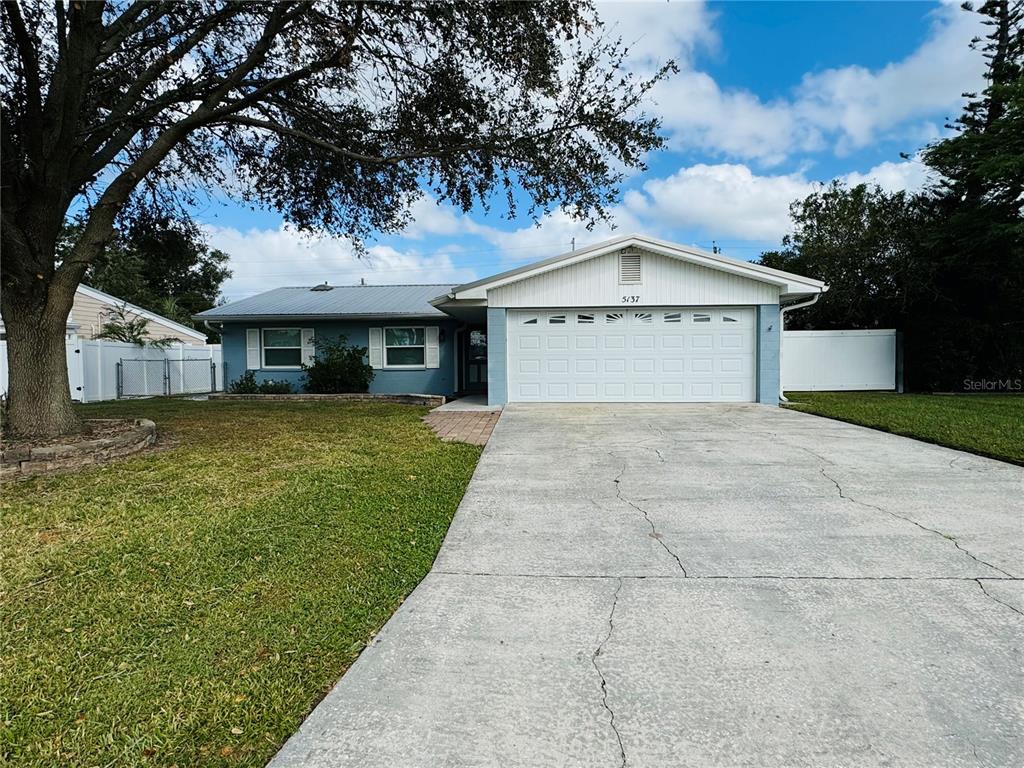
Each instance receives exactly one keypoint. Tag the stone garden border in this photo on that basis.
(25, 461)
(411, 399)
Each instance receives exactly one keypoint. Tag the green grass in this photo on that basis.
(191, 605)
(990, 425)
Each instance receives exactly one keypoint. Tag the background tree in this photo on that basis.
(974, 327)
(946, 266)
(863, 242)
(338, 115)
(158, 261)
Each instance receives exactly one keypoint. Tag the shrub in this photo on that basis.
(338, 368)
(246, 384)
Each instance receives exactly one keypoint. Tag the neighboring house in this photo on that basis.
(631, 319)
(93, 308)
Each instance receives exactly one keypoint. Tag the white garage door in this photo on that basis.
(683, 354)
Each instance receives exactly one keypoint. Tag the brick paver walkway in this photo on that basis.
(473, 427)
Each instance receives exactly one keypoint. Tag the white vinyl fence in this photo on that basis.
(105, 370)
(839, 360)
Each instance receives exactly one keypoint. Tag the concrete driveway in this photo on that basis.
(701, 586)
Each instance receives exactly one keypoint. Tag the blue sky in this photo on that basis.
(771, 99)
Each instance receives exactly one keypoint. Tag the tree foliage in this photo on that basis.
(337, 114)
(862, 242)
(157, 261)
(945, 266)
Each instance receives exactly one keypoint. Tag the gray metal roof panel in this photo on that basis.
(340, 301)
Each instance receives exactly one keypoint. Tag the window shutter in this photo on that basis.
(432, 355)
(308, 346)
(376, 347)
(252, 349)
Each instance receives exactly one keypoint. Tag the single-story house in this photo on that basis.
(92, 308)
(632, 319)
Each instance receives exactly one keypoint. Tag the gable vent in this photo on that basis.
(629, 267)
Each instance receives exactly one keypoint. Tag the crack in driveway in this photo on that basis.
(898, 516)
(992, 597)
(654, 530)
(604, 683)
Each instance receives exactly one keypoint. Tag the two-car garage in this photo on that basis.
(643, 354)
(633, 319)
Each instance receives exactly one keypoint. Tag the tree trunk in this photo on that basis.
(39, 396)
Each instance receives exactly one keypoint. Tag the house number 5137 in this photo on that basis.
(630, 299)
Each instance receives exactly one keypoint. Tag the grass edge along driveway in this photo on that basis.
(988, 425)
(189, 606)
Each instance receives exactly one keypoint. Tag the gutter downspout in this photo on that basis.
(782, 336)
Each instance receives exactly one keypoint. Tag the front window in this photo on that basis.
(282, 348)
(404, 347)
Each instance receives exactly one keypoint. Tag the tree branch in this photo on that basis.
(30, 67)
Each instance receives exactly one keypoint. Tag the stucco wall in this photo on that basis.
(497, 356)
(431, 381)
(769, 339)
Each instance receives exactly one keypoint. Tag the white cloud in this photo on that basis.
(658, 31)
(734, 122)
(262, 259)
(911, 175)
(858, 104)
(724, 200)
(844, 108)
(730, 200)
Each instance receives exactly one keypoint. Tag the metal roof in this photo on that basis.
(341, 301)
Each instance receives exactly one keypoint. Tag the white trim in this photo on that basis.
(432, 347)
(263, 350)
(790, 283)
(375, 347)
(253, 357)
(385, 347)
(153, 316)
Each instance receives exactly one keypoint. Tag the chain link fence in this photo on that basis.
(146, 378)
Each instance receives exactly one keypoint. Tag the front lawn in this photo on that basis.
(990, 425)
(189, 606)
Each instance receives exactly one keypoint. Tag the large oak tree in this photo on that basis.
(338, 115)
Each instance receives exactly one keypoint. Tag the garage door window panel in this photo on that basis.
(404, 347)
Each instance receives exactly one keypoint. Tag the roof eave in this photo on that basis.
(714, 261)
(311, 318)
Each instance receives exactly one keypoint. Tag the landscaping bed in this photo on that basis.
(989, 425)
(410, 399)
(99, 441)
(190, 606)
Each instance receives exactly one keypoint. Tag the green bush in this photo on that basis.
(338, 368)
(246, 384)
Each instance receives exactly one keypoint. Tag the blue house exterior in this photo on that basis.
(632, 319)
(421, 380)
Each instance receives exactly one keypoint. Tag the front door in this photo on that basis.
(474, 360)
